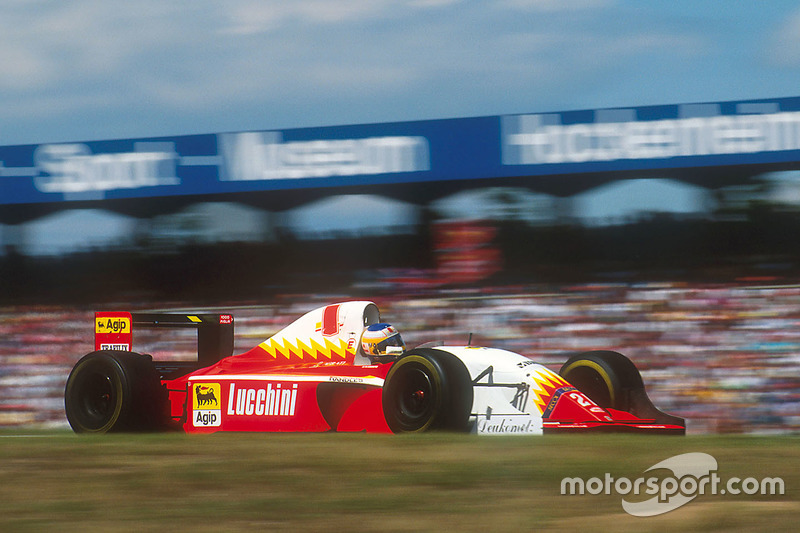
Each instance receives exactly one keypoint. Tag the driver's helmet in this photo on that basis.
(382, 341)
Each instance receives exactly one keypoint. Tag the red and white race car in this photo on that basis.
(339, 368)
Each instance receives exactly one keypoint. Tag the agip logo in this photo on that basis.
(113, 331)
(206, 411)
(117, 324)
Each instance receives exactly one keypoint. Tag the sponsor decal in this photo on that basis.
(206, 406)
(509, 424)
(113, 331)
(271, 399)
(206, 395)
(343, 379)
(226, 319)
(120, 347)
(112, 325)
(207, 418)
(327, 363)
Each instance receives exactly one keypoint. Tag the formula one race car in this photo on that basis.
(339, 368)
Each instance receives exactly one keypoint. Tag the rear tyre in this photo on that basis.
(114, 391)
(425, 390)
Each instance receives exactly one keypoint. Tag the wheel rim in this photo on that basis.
(416, 397)
(413, 396)
(95, 401)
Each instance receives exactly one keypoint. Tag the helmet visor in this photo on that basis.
(391, 345)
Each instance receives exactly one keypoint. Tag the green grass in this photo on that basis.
(344, 482)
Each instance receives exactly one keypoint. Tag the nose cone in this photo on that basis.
(573, 405)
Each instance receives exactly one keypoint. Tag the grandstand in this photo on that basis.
(666, 232)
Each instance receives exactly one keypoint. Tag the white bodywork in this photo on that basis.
(510, 391)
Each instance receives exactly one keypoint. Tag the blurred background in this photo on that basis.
(700, 286)
(667, 231)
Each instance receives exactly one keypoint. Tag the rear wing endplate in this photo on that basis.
(114, 331)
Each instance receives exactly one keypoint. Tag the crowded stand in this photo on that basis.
(724, 356)
(667, 233)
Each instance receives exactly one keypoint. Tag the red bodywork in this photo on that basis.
(255, 392)
(318, 381)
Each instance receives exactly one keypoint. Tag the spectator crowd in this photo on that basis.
(724, 356)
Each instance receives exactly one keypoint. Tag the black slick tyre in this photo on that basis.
(111, 390)
(604, 376)
(612, 381)
(426, 390)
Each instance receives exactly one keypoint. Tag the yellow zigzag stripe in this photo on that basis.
(340, 351)
(301, 346)
(546, 380)
(283, 348)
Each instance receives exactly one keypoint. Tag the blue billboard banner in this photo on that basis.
(245, 161)
(652, 137)
(545, 144)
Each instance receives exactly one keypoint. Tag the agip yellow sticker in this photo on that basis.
(115, 324)
(206, 396)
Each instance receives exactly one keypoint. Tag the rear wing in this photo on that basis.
(114, 331)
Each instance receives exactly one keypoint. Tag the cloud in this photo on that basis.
(556, 5)
(784, 47)
(201, 53)
(278, 63)
(247, 17)
(22, 68)
(204, 56)
(158, 50)
(45, 43)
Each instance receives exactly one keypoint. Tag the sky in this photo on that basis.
(88, 70)
(93, 69)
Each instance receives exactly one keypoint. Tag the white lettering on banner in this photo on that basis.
(267, 401)
(72, 168)
(537, 139)
(263, 156)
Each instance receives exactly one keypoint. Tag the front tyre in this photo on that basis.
(114, 391)
(425, 390)
(611, 380)
(604, 376)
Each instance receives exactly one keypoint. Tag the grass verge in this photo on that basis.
(357, 482)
